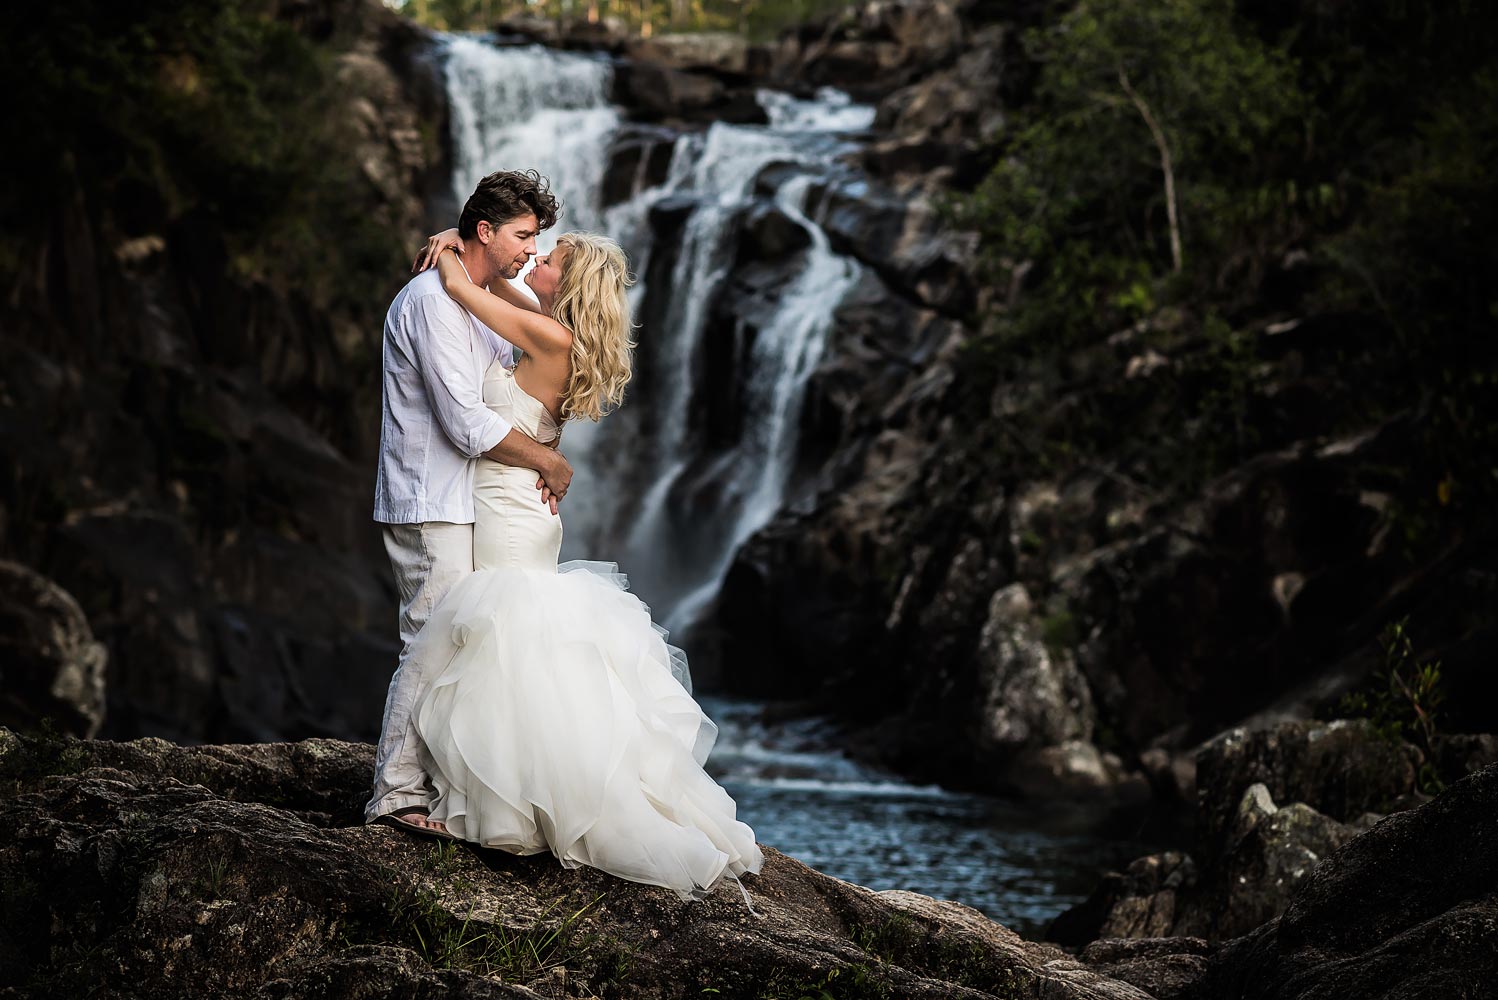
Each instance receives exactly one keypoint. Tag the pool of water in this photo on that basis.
(1019, 863)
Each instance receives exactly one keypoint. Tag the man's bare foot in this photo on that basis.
(415, 818)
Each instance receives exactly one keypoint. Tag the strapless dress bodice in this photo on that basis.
(518, 407)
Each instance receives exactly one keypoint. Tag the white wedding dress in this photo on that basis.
(557, 717)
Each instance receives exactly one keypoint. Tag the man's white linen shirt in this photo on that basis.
(434, 422)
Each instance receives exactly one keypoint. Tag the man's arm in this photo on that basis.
(523, 452)
(443, 354)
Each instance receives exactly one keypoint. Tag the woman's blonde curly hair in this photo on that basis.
(592, 303)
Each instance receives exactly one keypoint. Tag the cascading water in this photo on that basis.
(682, 510)
(527, 106)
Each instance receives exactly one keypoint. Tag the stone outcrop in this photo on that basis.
(50, 664)
(869, 49)
(246, 871)
(1408, 909)
(1343, 769)
(1273, 804)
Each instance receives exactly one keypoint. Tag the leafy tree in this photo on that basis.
(149, 113)
(1148, 118)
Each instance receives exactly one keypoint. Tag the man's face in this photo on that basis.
(511, 245)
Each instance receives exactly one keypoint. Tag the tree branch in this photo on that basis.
(1165, 167)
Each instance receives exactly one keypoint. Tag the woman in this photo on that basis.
(562, 720)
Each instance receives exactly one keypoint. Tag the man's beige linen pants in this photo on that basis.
(428, 559)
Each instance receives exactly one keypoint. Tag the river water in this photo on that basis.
(1019, 863)
(672, 510)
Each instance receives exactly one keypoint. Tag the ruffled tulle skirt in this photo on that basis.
(559, 719)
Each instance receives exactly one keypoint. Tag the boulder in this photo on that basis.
(904, 238)
(1075, 770)
(639, 159)
(1408, 909)
(51, 667)
(1272, 852)
(716, 51)
(1165, 968)
(1251, 855)
(1343, 768)
(871, 48)
(652, 92)
(1033, 695)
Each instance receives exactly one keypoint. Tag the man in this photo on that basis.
(434, 425)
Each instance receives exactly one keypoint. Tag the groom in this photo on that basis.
(434, 425)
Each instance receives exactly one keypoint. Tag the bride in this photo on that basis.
(562, 721)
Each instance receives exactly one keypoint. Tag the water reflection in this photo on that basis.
(1019, 863)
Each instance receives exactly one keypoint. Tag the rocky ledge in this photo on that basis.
(246, 871)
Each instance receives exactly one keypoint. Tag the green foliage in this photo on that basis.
(1357, 142)
(1060, 631)
(139, 116)
(1403, 699)
(1078, 198)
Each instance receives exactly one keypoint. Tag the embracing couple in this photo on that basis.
(535, 707)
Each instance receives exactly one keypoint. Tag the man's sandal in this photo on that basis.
(401, 820)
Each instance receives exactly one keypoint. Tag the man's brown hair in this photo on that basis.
(506, 195)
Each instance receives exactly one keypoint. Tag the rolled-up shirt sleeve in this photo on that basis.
(444, 356)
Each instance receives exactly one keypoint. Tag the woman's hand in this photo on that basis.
(435, 245)
(451, 271)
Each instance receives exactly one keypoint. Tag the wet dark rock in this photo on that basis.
(1165, 968)
(1273, 851)
(1408, 909)
(769, 234)
(655, 93)
(639, 159)
(201, 871)
(1343, 769)
(904, 240)
(870, 49)
(1252, 855)
(944, 122)
(51, 667)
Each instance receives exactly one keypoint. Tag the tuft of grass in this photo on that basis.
(446, 942)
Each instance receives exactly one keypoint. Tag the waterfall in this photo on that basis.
(650, 494)
(530, 107)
